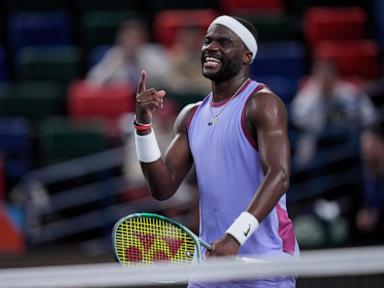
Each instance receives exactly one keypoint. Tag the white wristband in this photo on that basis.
(147, 149)
(243, 227)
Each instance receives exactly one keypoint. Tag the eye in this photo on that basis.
(226, 42)
(207, 40)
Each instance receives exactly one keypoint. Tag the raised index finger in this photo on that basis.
(142, 82)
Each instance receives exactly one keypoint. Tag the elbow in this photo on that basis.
(160, 197)
(283, 178)
(160, 194)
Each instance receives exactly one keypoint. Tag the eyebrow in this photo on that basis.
(220, 39)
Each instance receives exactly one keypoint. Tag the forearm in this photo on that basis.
(270, 191)
(162, 183)
(275, 184)
(163, 174)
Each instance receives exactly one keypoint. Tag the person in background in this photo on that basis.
(326, 102)
(370, 216)
(131, 52)
(185, 75)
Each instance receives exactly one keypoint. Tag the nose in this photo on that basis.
(213, 46)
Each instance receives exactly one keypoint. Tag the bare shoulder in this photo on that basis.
(184, 117)
(265, 105)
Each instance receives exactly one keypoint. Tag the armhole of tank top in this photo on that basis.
(246, 131)
(190, 117)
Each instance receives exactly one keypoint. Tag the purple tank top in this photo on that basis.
(229, 173)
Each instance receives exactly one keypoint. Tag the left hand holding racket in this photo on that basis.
(225, 246)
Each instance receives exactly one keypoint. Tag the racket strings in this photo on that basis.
(146, 240)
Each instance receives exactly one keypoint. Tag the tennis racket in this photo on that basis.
(145, 238)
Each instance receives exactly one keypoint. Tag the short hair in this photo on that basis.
(249, 26)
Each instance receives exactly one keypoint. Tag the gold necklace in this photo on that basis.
(215, 117)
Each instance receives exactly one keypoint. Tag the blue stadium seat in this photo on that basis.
(284, 59)
(15, 146)
(49, 28)
(96, 54)
(280, 65)
(377, 11)
(285, 88)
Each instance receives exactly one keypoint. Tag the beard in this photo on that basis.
(227, 71)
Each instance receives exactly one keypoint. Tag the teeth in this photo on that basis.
(212, 59)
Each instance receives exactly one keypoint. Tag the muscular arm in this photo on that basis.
(165, 175)
(267, 120)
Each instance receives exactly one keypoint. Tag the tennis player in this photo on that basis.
(237, 140)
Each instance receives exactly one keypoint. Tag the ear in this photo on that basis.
(247, 58)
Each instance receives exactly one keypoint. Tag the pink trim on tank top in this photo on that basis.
(285, 230)
(222, 102)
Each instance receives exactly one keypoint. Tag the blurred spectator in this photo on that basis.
(131, 53)
(325, 102)
(370, 217)
(184, 55)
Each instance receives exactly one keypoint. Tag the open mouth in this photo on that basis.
(211, 62)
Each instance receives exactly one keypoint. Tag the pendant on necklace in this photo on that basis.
(213, 121)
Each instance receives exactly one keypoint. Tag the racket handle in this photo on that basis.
(205, 244)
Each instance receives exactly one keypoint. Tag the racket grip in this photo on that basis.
(205, 245)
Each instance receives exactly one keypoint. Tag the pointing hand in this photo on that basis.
(148, 101)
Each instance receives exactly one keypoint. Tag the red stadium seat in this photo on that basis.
(354, 58)
(12, 239)
(334, 24)
(251, 6)
(109, 101)
(167, 22)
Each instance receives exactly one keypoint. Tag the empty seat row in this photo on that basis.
(39, 29)
(87, 100)
(277, 60)
(54, 139)
(61, 139)
(31, 100)
(70, 5)
(97, 27)
(354, 58)
(154, 5)
(61, 64)
(252, 6)
(37, 101)
(334, 24)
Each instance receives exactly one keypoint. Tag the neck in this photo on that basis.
(227, 89)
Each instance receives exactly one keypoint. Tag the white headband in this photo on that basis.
(240, 30)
